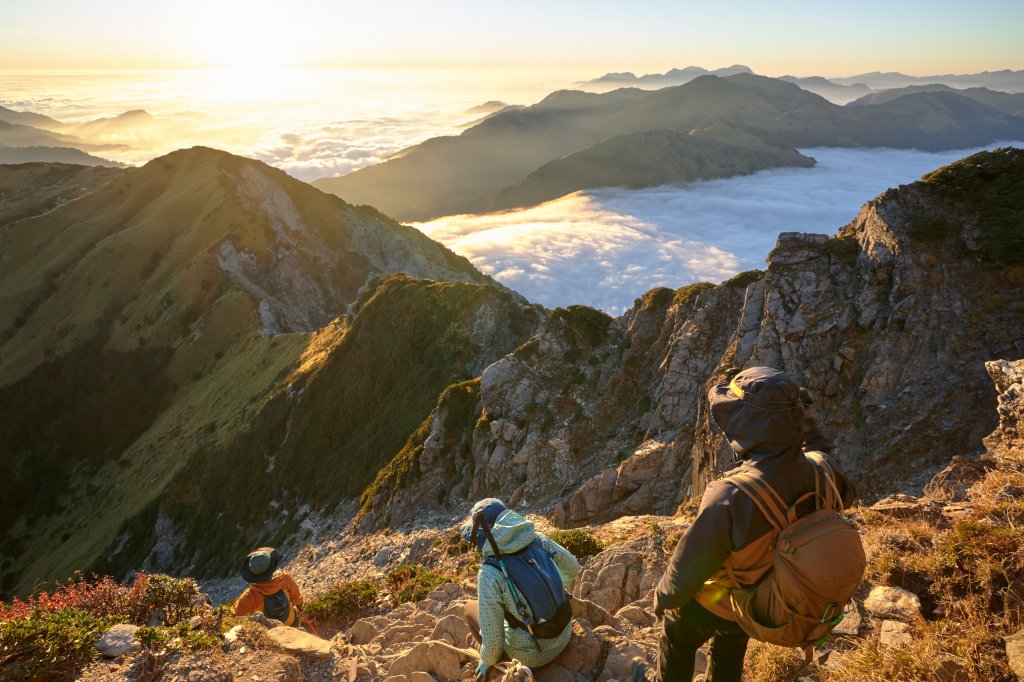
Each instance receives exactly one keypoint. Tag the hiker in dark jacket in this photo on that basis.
(488, 616)
(769, 422)
(271, 592)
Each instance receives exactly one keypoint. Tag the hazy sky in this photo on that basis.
(783, 36)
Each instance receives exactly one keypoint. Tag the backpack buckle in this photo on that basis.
(830, 616)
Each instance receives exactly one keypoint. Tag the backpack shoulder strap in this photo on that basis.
(764, 496)
(829, 492)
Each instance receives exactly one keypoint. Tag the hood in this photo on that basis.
(760, 413)
(511, 532)
(269, 587)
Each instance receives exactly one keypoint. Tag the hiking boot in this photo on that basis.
(639, 671)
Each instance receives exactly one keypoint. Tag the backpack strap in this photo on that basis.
(832, 498)
(764, 496)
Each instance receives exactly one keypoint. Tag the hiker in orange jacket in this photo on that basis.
(769, 422)
(271, 592)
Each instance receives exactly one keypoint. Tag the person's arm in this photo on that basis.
(492, 615)
(291, 588)
(700, 551)
(565, 562)
(247, 603)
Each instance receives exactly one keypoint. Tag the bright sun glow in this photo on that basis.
(247, 35)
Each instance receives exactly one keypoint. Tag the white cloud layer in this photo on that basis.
(604, 248)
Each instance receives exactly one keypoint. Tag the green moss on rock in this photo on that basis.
(991, 186)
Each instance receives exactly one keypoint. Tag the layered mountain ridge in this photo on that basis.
(566, 137)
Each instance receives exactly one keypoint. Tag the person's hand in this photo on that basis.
(658, 610)
(481, 670)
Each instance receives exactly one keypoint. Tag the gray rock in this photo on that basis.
(382, 558)
(893, 602)
(299, 643)
(1015, 653)
(851, 622)
(118, 641)
(894, 632)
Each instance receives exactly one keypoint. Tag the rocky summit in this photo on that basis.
(201, 355)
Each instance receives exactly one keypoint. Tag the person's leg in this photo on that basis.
(725, 655)
(682, 634)
(471, 610)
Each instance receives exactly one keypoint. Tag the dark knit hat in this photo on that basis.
(260, 564)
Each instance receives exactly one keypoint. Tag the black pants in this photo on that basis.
(685, 631)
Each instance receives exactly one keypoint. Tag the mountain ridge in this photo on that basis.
(466, 173)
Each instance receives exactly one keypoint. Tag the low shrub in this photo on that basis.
(579, 542)
(49, 645)
(179, 637)
(178, 598)
(102, 597)
(412, 582)
(344, 601)
(685, 296)
(744, 279)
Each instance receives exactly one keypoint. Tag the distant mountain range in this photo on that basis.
(27, 137)
(839, 90)
(670, 77)
(572, 139)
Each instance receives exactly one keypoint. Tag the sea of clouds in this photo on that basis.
(605, 248)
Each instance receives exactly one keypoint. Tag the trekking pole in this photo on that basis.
(309, 623)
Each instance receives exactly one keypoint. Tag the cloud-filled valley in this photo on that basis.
(604, 248)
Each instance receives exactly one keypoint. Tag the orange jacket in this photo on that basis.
(251, 600)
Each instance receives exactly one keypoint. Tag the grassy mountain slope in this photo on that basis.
(30, 189)
(1005, 102)
(648, 159)
(149, 320)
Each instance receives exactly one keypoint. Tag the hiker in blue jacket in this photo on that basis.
(494, 617)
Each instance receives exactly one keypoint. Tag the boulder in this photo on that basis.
(953, 482)
(420, 676)
(362, 632)
(452, 629)
(851, 622)
(118, 641)
(894, 632)
(619, 663)
(637, 615)
(893, 602)
(589, 611)
(299, 643)
(583, 652)
(1015, 653)
(430, 657)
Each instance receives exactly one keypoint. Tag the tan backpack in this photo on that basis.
(819, 563)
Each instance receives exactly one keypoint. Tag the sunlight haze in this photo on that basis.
(801, 38)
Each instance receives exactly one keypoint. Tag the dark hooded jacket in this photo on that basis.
(769, 428)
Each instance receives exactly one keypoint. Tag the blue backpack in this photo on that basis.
(543, 607)
(277, 606)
